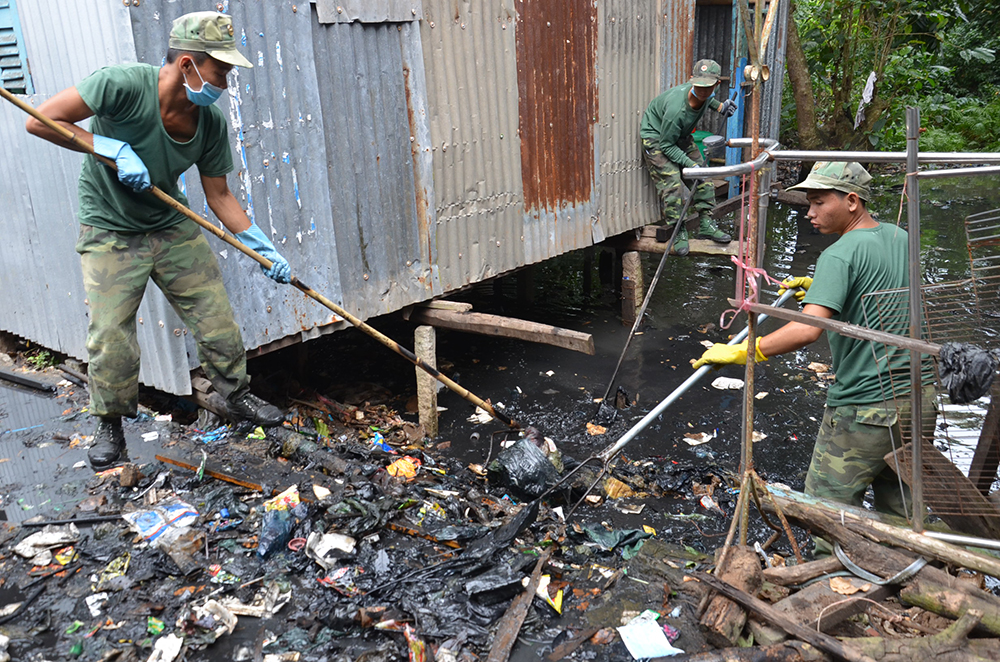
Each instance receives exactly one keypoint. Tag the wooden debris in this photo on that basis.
(827, 517)
(770, 614)
(510, 625)
(818, 602)
(947, 601)
(567, 647)
(792, 575)
(723, 619)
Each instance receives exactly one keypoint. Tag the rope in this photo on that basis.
(751, 274)
(898, 578)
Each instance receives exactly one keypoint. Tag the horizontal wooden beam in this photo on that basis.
(506, 327)
(628, 242)
(845, 329)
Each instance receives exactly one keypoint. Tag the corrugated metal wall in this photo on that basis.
(471, 69)
(629, 79)
(391, 162)
(676, 42)
(774, 57)
(713, 39)
(41, 289)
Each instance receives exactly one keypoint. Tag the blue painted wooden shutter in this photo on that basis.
(13, 59)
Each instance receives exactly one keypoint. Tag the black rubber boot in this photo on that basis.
(109, 442)
(708, 230)
(248, 407)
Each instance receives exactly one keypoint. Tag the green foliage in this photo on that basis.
(952, 124)
(939, 57)
(40, 359)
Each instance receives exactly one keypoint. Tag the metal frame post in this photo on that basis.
(916, 394)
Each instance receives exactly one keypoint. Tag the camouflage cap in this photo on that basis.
(208, 32)
(845, 177)
(706, 73)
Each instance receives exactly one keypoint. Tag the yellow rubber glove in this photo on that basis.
(719, 355)
(802, 282)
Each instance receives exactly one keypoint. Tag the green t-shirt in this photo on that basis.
(863, 261)
(126, 105)
(669, 119)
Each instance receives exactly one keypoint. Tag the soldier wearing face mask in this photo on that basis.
(155, 123)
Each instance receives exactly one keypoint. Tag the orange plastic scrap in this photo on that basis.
(418, 649)
(405, 468)
(110, 472)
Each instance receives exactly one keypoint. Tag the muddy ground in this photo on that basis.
(355, 392)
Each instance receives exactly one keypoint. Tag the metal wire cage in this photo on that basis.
(966, 311)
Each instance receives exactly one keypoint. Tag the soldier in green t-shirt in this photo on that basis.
(861, 422)
(667, 147)
(155, 123)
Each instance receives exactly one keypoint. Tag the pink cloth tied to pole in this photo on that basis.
(751, 275)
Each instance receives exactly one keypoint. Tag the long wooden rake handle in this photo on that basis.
(263, 261)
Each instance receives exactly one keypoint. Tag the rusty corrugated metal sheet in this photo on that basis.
(557, 109)
(628, 80)
(676, 42)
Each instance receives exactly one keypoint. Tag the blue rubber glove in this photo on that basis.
(254, 238)
(132, 172)
(728, 107)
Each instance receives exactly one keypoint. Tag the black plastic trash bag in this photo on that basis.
(524, 469)
(966, 371)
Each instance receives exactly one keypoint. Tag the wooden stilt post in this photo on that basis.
(605, 266)
(632, 286)
(526, 286)
(425, 347)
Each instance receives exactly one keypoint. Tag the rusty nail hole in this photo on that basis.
(295, 9)
(177, 332)
(269, 309)
(340, 10)
(366, 276)
(432, 24)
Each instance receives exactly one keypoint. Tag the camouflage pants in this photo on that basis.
(116, 268)
(666, 176)
(850, 450)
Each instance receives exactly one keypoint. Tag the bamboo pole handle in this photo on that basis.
(159, 194)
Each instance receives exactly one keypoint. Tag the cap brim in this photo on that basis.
(701, 81)
(810, 186)
(232, 57)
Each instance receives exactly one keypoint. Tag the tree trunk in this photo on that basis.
(802, 87)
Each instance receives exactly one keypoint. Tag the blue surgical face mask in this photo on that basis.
(207, 95)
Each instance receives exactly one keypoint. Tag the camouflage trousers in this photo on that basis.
(850, 451)
(666, 176)
(116, 269)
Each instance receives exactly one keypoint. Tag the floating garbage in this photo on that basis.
(323, 548)
(727, 383)
(168, 526)
(644, 637)
(38, 546)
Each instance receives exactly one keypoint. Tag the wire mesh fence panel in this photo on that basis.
(965, 311)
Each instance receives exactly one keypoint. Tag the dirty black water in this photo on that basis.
(555, 389)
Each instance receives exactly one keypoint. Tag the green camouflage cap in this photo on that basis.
(706, 73)
(208, 32)
(845, 177)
